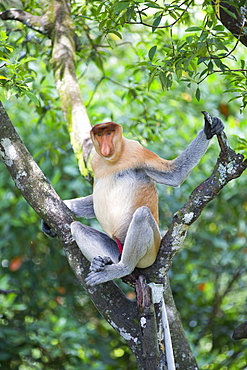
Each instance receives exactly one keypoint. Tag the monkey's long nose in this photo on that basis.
(106, 149)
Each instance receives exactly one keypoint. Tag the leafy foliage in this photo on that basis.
(180, 54)
(14, 77)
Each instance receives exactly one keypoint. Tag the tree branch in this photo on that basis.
(37, 23)
(29, 179)
(148, 324)
(229, 166)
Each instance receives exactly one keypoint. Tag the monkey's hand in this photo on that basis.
(98, 263)
(47, 230)
(212, 125)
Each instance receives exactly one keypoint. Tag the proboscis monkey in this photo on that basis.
(125, 200)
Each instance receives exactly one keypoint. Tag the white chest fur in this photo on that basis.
(117, 197)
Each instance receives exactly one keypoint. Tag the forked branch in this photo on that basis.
(37, 23)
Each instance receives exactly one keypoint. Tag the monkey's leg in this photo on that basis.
(95, 245)
(141, 245)
(142, 241)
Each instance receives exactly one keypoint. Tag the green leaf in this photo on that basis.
(198, 94)
(169, 81)
(219, 64)
(32, 97)
(118, 34)
(210, 66)
(219, 27)
(97, 60)
(152, 5)
(130, 13)
(202, 60)
(122, 5)
(144, 64)
(3, 36)
(204, 72)
(99, 7)
(6, 60)
(152, 51)
(163, 79)
(26, 60)
(156, 22)
(133, 93)
(102, 23)
(8, 47)
(111, 43)
(233, 15)
(193, 29)
(29, 79)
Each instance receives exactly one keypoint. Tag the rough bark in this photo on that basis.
(148, 325)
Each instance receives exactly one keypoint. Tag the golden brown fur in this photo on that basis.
(117, 197)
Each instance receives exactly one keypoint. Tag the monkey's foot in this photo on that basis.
(110, 272)
(98, 263)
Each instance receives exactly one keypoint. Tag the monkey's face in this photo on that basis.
(107, 139)
(105, 143)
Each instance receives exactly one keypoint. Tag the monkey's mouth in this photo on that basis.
(109, 155)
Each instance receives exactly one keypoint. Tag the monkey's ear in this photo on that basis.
(217, 126)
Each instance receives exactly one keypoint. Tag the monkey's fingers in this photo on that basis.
(98, 263)
(217, 126)
(47, 230)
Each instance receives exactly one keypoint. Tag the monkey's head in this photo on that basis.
(107, 140)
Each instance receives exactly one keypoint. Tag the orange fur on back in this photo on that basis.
(133, 155)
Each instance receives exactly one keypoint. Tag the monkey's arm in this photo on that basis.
(81, 207)
(178, 169)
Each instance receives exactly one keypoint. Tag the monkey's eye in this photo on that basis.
(99, 135)
(109, 133)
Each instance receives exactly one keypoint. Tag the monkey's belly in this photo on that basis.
(116, 201)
